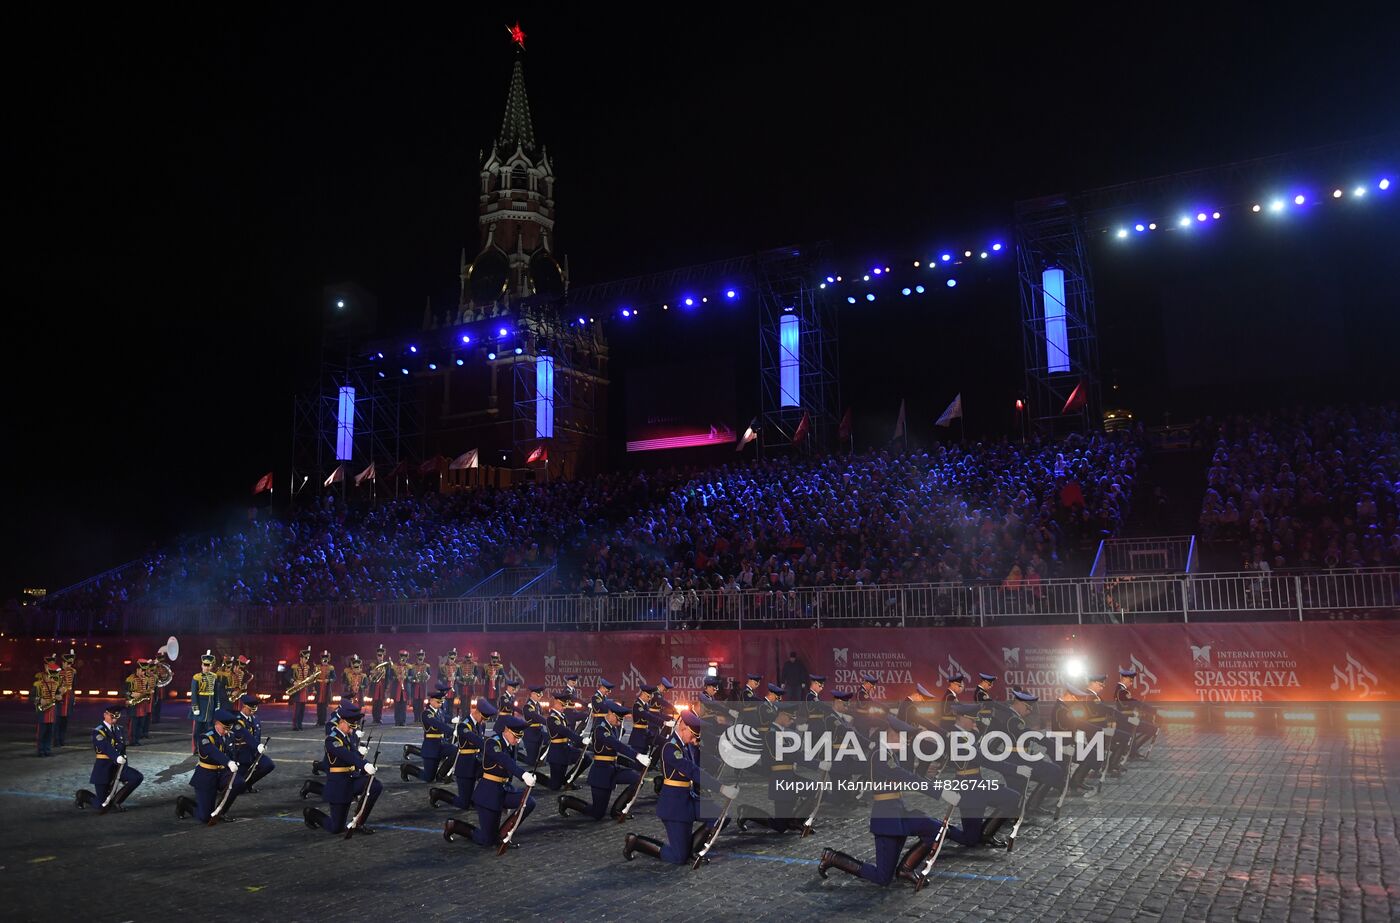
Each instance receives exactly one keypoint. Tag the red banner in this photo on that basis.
(1208, 662)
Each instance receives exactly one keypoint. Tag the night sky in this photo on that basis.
(186, 186)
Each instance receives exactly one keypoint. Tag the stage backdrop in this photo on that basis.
(1222, 662)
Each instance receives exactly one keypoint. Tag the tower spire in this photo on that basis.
(516, 128)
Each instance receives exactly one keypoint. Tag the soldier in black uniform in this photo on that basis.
(782, 771)
(1146, 730)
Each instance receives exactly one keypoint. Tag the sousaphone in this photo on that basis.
(164, 674)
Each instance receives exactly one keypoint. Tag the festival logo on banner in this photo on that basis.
(1146, 680)
(633, 678)
(952, 669)
(890, 668)
(556, 667)
(1242, 676)
(1354, 677)
(1035, 669)
(688, 673)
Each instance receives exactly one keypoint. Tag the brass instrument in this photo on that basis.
(132, 703)
(164, 673)
(301, 684)
(376, 675)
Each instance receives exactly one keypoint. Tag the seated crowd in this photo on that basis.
(1314, 489)
(1001, 512)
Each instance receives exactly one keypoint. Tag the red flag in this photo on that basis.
(541, 454)
(802, 429)
(431, 466)
(1077, 398)
(264, 483)
(750, 435)
(844, 432)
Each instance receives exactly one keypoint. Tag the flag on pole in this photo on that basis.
(431, 466)
(750, 435)
(899, 422)
(336, 477)
(953, 412)
(803, 428)
(541, 454)
(465, 460)
(1077, 398)
(844, 431)
(264, 483)
(366, 475)
(400, 471)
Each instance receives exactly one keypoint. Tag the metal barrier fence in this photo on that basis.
(1373, 593)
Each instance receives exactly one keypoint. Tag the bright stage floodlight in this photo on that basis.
(984, 254)
(829, 279)
(581, 322)
(850, 299)
(1215, 216)
(1299, 199)
(461, 362)
(519, 350)
(405, 371)
(1276, 205)
(491, 356)
(340, 304)
(413, 349)
(946, 257)
(1122, 232)
(731, 293)
(1336, 193)
(690, 302)
(919, 289)
(1139, 227)
(1185, 221)
(1384, 184)
(869, 296)
(905, 291)
(432, 366)
(1152, 226)
(1200, 216)
(996, 247)
(865, 278)
(626, 313)
(1359, 191)
(877, 270)
(967, 253)
(1255, 208)
(502, 331)
(952, 283)
(466, 339)
(823, 285)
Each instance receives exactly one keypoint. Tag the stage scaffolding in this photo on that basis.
(788, 281)
(570, 361)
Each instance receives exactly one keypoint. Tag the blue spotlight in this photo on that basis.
(983, 255)
(491, 356)
(1276, 205)
(518, 350)
(413, 349)
(432, 366)
(1122, 232)
(877, 270)
(581, 322)
(730, 293)
(1152, 226)
(1359, 191)
(405, 371)
(952, 283)
(865, 278)
(502, 332)
(1201, 216)
(1384, 184)
(830, 279)
(905, 291)
(1336, 193)
(381, 374)
(869, 296)
(1254, 207)
(1185, 221)
(996, 247)
(919, 289)
(823, 285)
(461, 362)
(626, 313)
(690, 302)
(1139, 227)
(1215, 216)
(466, 339)
(946, 257)
(1299, 199)
(850, 299)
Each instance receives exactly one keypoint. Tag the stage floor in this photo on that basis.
(1216, 826)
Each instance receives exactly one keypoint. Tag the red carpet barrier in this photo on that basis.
(1219, 662)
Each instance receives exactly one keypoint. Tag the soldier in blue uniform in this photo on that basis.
(469, 734)
(983, 691)
(600, 695)
(207, 695)
(750, 697)
(605, 774)
(436, 726)
(1072, 715)
(680, 804)
(565, 743)
(505, 700)
(659, 711)
(249, 748)
(1146, 730)
(640, 738)
(321, 765)
(712, 687)
(494, 794)
(534, 726)
(109, 766)
(782, 771)
(215, 770)
(891, 821)
(1046, 774)
(1119, 725)
(1004, 801)
(349, 776)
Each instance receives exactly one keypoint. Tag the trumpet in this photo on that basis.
(132, 703)
(377, 674)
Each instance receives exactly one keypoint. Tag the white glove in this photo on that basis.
(456, 719)
(1023, 771)
(359, 733)
(670, 724)
(729, 791)
(364, 751)
(802, 726)
(824, 765)
(121, 761)
(262, 748)
(196, 713)
(232, 766)
(643, 759)
(587, 739)
(370, 769)
(528, 778)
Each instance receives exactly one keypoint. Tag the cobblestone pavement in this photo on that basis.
(1216, 826)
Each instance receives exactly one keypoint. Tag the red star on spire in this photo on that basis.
(517, 34)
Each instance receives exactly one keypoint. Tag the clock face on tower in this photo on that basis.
(546, 278)
(487, 278)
